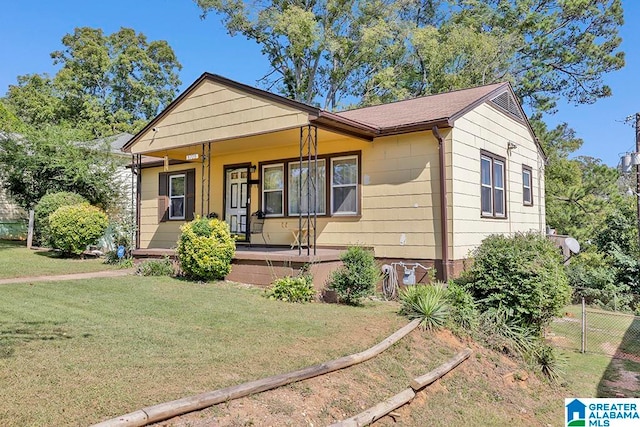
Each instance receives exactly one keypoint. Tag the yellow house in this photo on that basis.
(422, 180)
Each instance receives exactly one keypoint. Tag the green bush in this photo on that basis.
(357, 277)
(523, 273)
(463, 308)
(292, 289)
(426, 302)
(73, 228)
(205, 249)
(47, 205)
(155, 267)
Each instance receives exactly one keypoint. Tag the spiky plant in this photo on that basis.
(425, 302)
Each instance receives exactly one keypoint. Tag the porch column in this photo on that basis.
(308, 153)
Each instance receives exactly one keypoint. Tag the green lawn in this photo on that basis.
(77, 352)
(18, 261)
(586, 373)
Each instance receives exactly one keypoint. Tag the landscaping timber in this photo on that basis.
(167, 410)
(381, 409)
(440, 371)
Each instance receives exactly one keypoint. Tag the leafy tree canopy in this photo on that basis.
(106, 84)
(323, 51)
(48, 160)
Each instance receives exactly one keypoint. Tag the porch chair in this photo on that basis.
(300, 236)
(256, 226)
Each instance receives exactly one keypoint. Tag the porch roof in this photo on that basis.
(217, 109)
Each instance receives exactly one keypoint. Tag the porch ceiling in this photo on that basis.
(281, 138)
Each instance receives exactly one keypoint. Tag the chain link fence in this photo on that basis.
(599, 322)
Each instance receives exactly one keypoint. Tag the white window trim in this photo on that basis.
(495, 187)
(490, 185)
(356, 185)
(183, 197)
(527, 185)
(290, 188)
(281, 190)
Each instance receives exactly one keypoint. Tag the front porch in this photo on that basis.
(260, 265)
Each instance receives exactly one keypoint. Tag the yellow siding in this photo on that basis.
(214, 112)
(400, 210)
(488, 129)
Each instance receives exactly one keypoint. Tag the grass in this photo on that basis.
(18, 261)
(588, 374)
(78, 352)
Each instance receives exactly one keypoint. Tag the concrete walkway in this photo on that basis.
(75, 276)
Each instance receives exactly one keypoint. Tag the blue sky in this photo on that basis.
(31, 30)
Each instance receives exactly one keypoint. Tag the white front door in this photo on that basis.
(236, 198)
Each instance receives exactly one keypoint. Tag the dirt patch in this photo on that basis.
(626, 382)
(487, 389)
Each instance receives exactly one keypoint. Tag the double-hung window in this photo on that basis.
(273, 189)
(492, 186)
(310, 180)
(344, 185)
(527, 180)
(177, 196)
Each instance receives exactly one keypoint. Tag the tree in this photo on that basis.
(47, 161)
(106, 84)
(381, 50)
(580, 193)
(317, 49)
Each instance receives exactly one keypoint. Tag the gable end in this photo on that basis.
(507, 103)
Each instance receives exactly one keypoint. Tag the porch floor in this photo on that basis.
(260, 265)
(261, 253)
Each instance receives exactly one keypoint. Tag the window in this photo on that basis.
(336, 186)
(177, 193)
(304, 176)
(273, 190)
(527, 196)
(492, 186)
(344, 185)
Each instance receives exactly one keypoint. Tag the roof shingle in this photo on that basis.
(419, 110)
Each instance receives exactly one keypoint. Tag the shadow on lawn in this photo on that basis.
(15, 333)
(12, 244)
(622, 376)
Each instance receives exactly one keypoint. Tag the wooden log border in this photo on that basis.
(163, 411)
(381, 409)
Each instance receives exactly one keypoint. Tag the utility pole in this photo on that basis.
(637, 126)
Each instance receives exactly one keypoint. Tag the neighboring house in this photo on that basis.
(13, 219)
(422, 180)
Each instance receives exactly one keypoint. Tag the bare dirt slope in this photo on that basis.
(488, 389)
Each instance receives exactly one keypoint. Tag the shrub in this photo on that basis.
(292, 289)
(73, 228)
(547, 360)
(523, 273)
(463, 310)
(47, 205)
(155, 267)
(425, 302)
(357, 277)
(205, 249)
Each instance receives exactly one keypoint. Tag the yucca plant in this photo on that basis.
(425, 302)
(548, 361)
